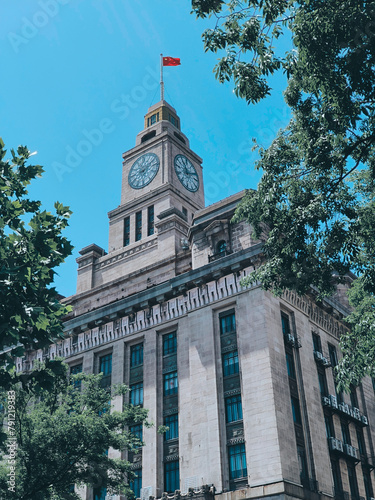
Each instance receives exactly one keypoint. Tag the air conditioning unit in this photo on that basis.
(341, 407)
(348, 449)
(333, 401)
(326, 401)
(290, 339)
(364, 419)
(326, 362)
(356, 413)
(147, 492)
(335, 444)
(318, 356)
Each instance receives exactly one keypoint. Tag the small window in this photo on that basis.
(173, 120)
(136, 394)
(237, 461)
(170, 384)
(171, 476)
(172, 422)
(136, 483)
(138, 226)
(230, 363)
(126, 231)
(353, 397)
(353, 484)
(169, 343)
(221, 248)
(233, 408)
(150, 220)
(302, 462)
(152, 119)
(227, 323)
(136, 355)
(184, 211)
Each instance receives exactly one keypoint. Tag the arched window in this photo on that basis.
(221, 248)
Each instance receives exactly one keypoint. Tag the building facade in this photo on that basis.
(243, 379)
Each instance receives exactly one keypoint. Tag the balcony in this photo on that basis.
(218, 255)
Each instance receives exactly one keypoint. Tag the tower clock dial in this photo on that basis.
(143, 170)
(186, 173)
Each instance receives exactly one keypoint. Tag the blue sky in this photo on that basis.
(75, 70)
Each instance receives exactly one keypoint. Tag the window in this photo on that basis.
(126, 231)
(296, 411)
(317, 342)
(233, 408)
(173, 120)
(367, 484)
(138, 226)
(105, 367)
(330, 432)
(237, 461)
(150, 220)
(99, 493)
(322, 383)
(361, 442)
(302, 462)
(353, 397)
(170, 384)
(136, 483)
(136, 394)
(345, 433)
(285, 324)
(172, 422)
(227, 323)
(184, 211)
(336, 476)
(353, 482)
(171, 476)
(73, 371)
(137, 430)
(136, 355)
(290, 364)
(332, 355)
(169, 343)
(152, 119)
(230, 363)
(221, 248)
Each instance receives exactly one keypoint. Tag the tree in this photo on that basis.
(63, 429)
(316, 195)
(31, 246)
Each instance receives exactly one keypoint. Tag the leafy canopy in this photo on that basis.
(316, 195)
(64, 428)
(31, 246)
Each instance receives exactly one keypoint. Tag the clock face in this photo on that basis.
(143, 170)
(186, 173)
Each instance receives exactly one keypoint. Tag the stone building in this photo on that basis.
(242, 378)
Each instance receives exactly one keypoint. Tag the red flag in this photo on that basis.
(171, 61)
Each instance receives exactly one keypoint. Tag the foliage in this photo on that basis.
(64, 429)
(31, 246)
(316, 195)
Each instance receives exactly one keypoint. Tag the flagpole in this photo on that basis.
(161, 79)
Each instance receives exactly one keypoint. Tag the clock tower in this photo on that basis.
(162, 187)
